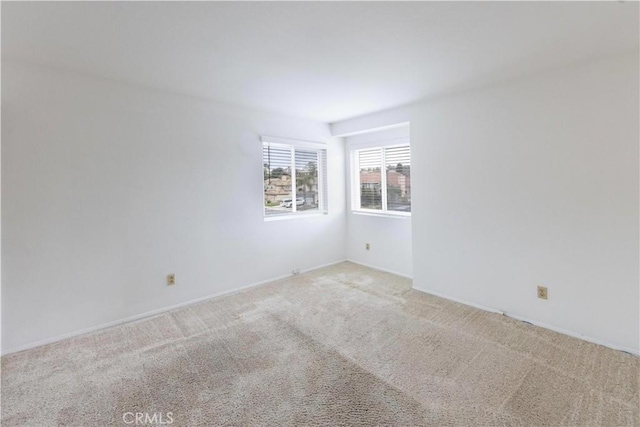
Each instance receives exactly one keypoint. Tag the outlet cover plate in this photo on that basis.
(542, 292)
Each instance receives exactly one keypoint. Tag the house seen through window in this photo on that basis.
(294, 179)
(382, 179)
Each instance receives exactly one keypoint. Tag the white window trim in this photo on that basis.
(355, 177)
(292, 144)
(373, 212)
(292, 216)
(381, 143)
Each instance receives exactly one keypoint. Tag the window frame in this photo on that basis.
(293, 145)
(354, 151)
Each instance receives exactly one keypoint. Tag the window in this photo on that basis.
(381, 180)
(294, 178)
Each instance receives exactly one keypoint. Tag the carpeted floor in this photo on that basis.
(345, 345)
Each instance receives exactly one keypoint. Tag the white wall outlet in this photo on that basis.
(543, 293)
(171, 279)
(367, 246)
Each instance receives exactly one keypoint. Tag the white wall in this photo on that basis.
(534, 181)
(107, 188)
(389, 237)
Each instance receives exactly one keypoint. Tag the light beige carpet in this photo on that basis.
(344, 345)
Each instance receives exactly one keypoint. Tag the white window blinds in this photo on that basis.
(398, 173)
(381, 179)
(294, 179)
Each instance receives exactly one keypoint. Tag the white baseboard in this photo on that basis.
(386, 270)
(155, 312)
(533, 322)
(472, 304)
(264, 282)
(320, 266)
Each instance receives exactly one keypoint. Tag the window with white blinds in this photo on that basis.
(294, 179)
(381, 180)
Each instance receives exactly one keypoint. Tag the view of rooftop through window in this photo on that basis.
(370, 179)
(398, 169)
(390, 191)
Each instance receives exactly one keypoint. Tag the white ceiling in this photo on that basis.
(320, 60)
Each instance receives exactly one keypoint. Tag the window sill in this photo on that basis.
(293, 216)
(396, 215)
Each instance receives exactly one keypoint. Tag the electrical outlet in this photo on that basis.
(367, 246)
(296, 271)
(171, 279)
(542, 292)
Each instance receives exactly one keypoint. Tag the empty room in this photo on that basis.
(320, 213)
